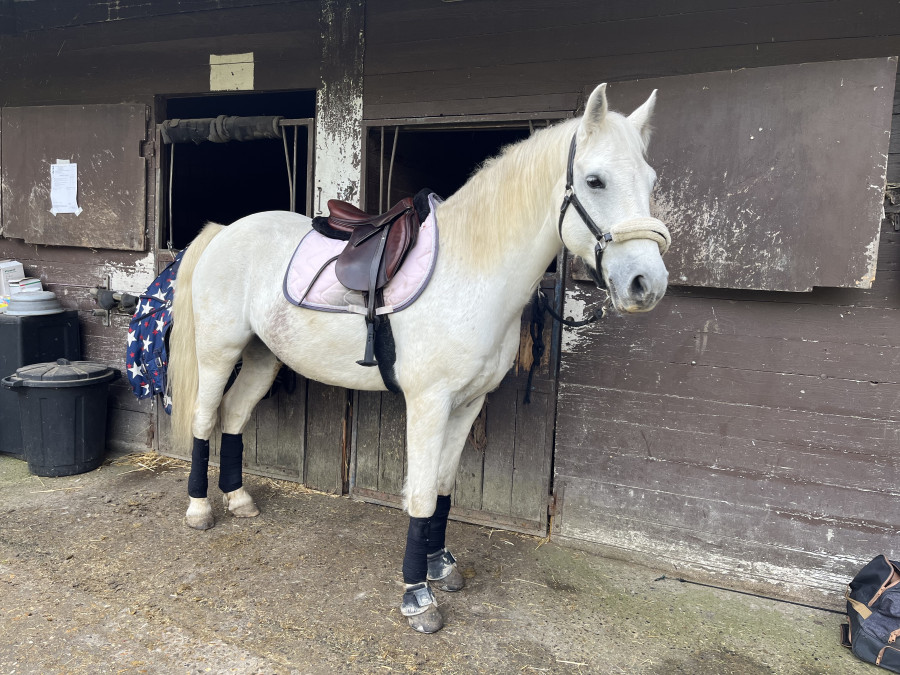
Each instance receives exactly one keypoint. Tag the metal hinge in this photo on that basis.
(551, 505)
(148, 148)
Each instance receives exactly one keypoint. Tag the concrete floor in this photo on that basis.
(98, 575)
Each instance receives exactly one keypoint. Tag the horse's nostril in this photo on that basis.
(639, 287)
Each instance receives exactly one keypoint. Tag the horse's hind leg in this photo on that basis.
(214, 369)
(217, 352)
(258, 371)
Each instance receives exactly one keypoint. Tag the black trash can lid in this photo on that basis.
(62, 373)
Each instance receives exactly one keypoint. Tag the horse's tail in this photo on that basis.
(183, 372)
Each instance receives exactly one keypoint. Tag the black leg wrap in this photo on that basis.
(437, 529)
(231, 462)
(415, 562)
(198, 481)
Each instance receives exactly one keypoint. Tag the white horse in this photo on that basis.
(498, 234)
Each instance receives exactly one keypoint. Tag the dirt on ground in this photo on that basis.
(99, 575)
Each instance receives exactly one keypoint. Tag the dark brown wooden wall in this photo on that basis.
(72, 54)
(740, 434)
(57, 53)
(481, 56)
(755, 431)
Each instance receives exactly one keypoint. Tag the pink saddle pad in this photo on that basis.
(328, 295)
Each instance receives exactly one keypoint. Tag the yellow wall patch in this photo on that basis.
(231, 72)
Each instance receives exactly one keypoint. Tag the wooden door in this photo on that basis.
(106, 145)
(504, 474)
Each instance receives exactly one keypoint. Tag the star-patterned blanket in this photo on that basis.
(145, 355)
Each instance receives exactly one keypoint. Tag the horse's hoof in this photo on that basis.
(419, 606)
(240, 504)
(429, 621)
(443, 573)
(199, 515)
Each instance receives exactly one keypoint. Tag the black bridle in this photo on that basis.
(570, 198)
(636, 228)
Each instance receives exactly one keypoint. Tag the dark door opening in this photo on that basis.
(438, 157)
(221, 182)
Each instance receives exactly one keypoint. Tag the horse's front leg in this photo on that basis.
(443, 572)
(427, 417)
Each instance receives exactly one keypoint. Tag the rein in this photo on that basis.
(541, 305)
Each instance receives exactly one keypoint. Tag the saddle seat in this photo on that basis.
(388, 237)
(376, 247)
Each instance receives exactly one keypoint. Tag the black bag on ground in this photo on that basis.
(873, 612)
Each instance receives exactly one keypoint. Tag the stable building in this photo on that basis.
(746, 430)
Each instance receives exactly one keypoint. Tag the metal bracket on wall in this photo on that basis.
(104, 312)
(110, 300)
(892, 204)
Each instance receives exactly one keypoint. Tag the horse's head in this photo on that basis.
(609, 188)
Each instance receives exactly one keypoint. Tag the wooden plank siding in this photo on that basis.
(729, 432)
(747, 436)
(165, 53)
(84, 53)
(457, 57)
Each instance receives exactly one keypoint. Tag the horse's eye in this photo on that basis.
(595, 183)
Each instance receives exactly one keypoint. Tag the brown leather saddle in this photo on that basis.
(376, 248)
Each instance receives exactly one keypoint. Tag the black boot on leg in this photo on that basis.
(419, 605)
(443, 572)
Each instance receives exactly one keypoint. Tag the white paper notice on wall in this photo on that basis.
(64, 187)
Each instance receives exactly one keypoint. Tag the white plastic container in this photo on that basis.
(11, 271)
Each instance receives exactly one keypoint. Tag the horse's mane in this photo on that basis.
(507, 196)
(504, 196)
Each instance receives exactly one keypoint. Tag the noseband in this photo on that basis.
(634, 228)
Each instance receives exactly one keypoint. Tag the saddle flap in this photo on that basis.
(354, 265)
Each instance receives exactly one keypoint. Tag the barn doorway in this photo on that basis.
(505, 470)
(223, 157)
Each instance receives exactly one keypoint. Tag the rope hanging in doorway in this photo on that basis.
(221, 129)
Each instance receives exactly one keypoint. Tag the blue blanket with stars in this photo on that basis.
(146, 357)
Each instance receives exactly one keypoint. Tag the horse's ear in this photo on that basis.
(595, 110)
(641, 117)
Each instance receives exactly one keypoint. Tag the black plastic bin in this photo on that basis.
(62, 407)
(25, 340)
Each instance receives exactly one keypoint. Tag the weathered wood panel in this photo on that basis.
(487, 33)
(430, 57)
(326, 437)
(746, 434)
(741, 156)
(104, 141)
(279, 428)
(163, 54)
(46, 15)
